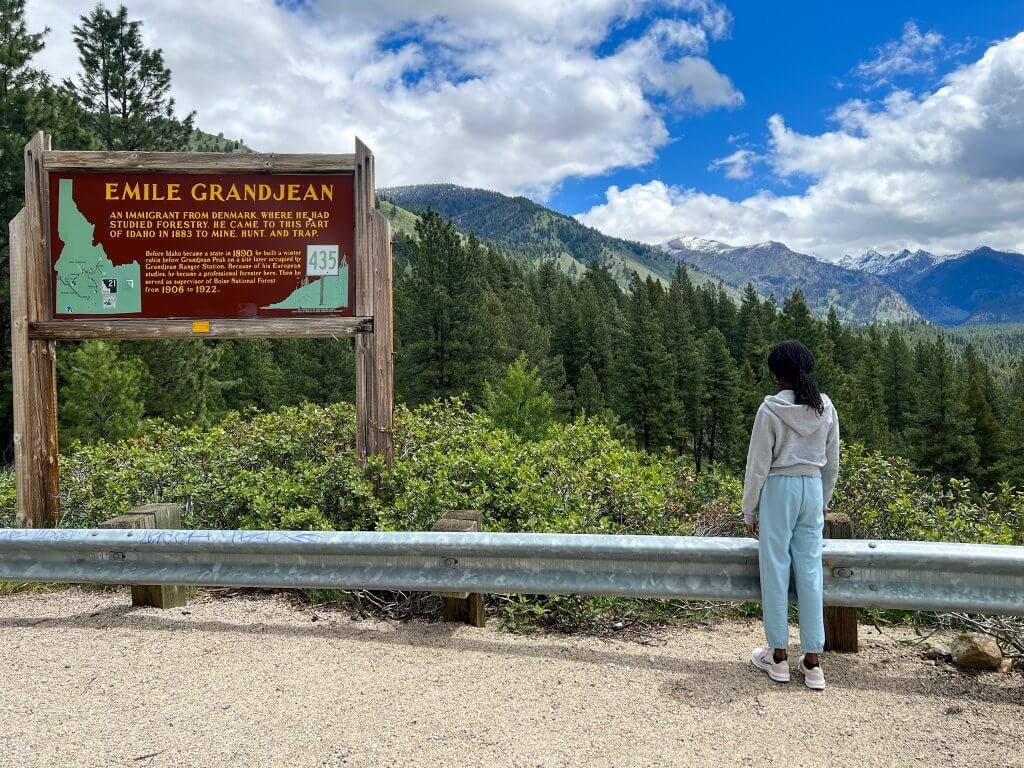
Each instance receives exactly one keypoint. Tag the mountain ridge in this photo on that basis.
(776, 270)
(980, 285)
(533, 233)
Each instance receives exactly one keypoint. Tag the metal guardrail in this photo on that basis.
(978, 578)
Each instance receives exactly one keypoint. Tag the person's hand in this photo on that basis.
(752, 530)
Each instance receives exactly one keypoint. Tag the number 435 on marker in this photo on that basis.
(322, 260)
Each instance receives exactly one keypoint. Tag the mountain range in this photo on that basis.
(524, 230)
(979, 286)
(775, 270)
(904, 265)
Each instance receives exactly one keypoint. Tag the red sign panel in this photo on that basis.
(217, 245)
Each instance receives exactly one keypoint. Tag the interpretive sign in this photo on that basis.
(186, 245)
(183, 245)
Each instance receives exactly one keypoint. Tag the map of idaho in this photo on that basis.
(88, 283)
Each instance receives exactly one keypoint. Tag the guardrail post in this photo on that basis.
(165, 516)
(840, 623)
(464, 607)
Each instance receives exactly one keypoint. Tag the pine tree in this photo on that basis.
(797, 322)
(519, 330)
(447, 336)
(20, 87)
(589, 395)
(867, 422)
(831, 378)
(181, 378)
(727, 322)
(749, 312)
(647, 370)
(720, 402)
(840, 338)
(124, 87)
(518, 402)
(567, 340)
(683, 346)
(1011, 468)
(942, 437)
(22, 109)
(756, 380)
(985, 426)
(601, 302)
(251, 376)
(901, 385)
(100, 393)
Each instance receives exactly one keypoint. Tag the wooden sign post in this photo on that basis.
(186, 245)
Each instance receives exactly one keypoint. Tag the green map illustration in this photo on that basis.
(329, 292)
(88, 283)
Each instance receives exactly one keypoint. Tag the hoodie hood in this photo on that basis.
(802, 419)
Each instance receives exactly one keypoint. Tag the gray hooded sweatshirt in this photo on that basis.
(790, 439)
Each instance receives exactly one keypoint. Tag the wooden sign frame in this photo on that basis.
(34, 331)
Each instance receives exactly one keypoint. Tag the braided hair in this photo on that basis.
(792, 362)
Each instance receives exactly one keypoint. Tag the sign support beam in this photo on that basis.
(375, 390)
(33, 361)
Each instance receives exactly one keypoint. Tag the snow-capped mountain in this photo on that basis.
(980, 285)
(776, 270)
(903, 265)
(701, 244)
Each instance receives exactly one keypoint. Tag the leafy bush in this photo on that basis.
(292, 468)
(578, 479)
(886, 500)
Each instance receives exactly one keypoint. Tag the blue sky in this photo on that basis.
(832, 127)
(790, 58)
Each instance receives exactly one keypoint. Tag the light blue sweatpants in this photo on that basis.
(791, 518)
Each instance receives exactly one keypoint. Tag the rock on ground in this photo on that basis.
(254, 681)
(975, 651)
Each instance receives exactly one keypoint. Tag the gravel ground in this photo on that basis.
(256, 681)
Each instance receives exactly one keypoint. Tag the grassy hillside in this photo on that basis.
(201, 141)
(525, 230)
(401, 220)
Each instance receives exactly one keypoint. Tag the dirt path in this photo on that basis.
(87, 681)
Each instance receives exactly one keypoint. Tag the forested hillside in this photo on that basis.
(531, 233)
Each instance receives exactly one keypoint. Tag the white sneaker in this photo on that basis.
(764, 659)
(813, 678)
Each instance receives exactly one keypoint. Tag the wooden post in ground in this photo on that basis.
(840, 623)
(33, 361)
(374, 351)
(165, 516)
(463, 607)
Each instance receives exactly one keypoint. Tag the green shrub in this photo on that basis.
(577, 479)
(292, 468)
(886, 500)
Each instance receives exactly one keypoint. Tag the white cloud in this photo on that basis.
(513, 96)
(941, 171)
(739, 165)
(913, 53)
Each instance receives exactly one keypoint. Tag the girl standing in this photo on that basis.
(792, 466)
